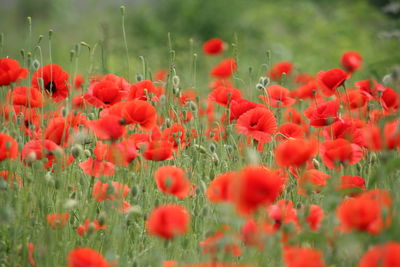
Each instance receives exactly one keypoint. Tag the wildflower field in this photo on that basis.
(204, 147)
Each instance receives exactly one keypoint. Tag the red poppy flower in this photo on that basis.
(255, 186)
(176, 134)
(160, 75)
(55, 81)
(38, 149)
(306, 91)
(354, 99)
(323, 114)
(340, 151)
(107, 127)
(224, 69)
(351, 61)
(257, 123)
(57, 221)
(212, 244)
(390, 100)
(78, 81)
(84, 228)
(219, 187)
(144, 90)
(383, 255)
(282, 213)
(303, 257)
(139, 112)
(311, 179)
(8, 147)
(370, 88)
(365, 212)
(289, 130)
(280, 68)
(278, 96)
(168, 221)
(103, 191)
(224, 95)
(346, 129)
(303, 78)
(119, 153)
(172, 180)
(104, 94)
(25, 96)
(213, 46)
(84, 257)
(329, 80)
(240, 106)
(31, 249)
(158, 150)
(59, 128)
(392, 134)
(97, 168)
(352, 184)
(372, 138)
(295, 152)
(10, 71)
(315, 216)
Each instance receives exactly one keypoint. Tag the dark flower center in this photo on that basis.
(51, 87)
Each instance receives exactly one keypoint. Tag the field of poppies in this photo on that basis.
(214, 164)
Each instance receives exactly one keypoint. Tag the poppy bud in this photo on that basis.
(139, 77)
(91, 116)
(176, 91)
(229, 149)
(91, 228)
(48, 177)
(40, 39)
(215, 158)
(87, 153)
(35, 64)
(260, 87)
(76, 150)
(176, 81)
(387, 79)
(122, 9)
(168, 122)
(22, 52)
(192, 106)
(134, 191)
(212, 147)
(71, 54)
(102, 218)
(315, 163)
(50, 33)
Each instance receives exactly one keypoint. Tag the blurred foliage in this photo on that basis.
(293, 30)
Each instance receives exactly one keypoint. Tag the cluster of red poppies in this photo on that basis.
(300, 119)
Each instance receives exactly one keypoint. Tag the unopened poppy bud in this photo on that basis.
(316, 163)
(168, 122)
(139, 77)
(87, 153)
(50, 33)
(35, 64)
(22, 52)
(229, 149)
(176, 81)
(122, 9)
(260, 87)
(134, 191)
(30, 158)
(192, 106)
(201, 148)
(176, 91)
(85, 44)
(92, 116)
(212, 147)
(76, 150)
(40, 39)
(102, 218)
(29, 55)
(215, 158)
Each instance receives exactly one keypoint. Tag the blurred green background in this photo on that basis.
(313, 34)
